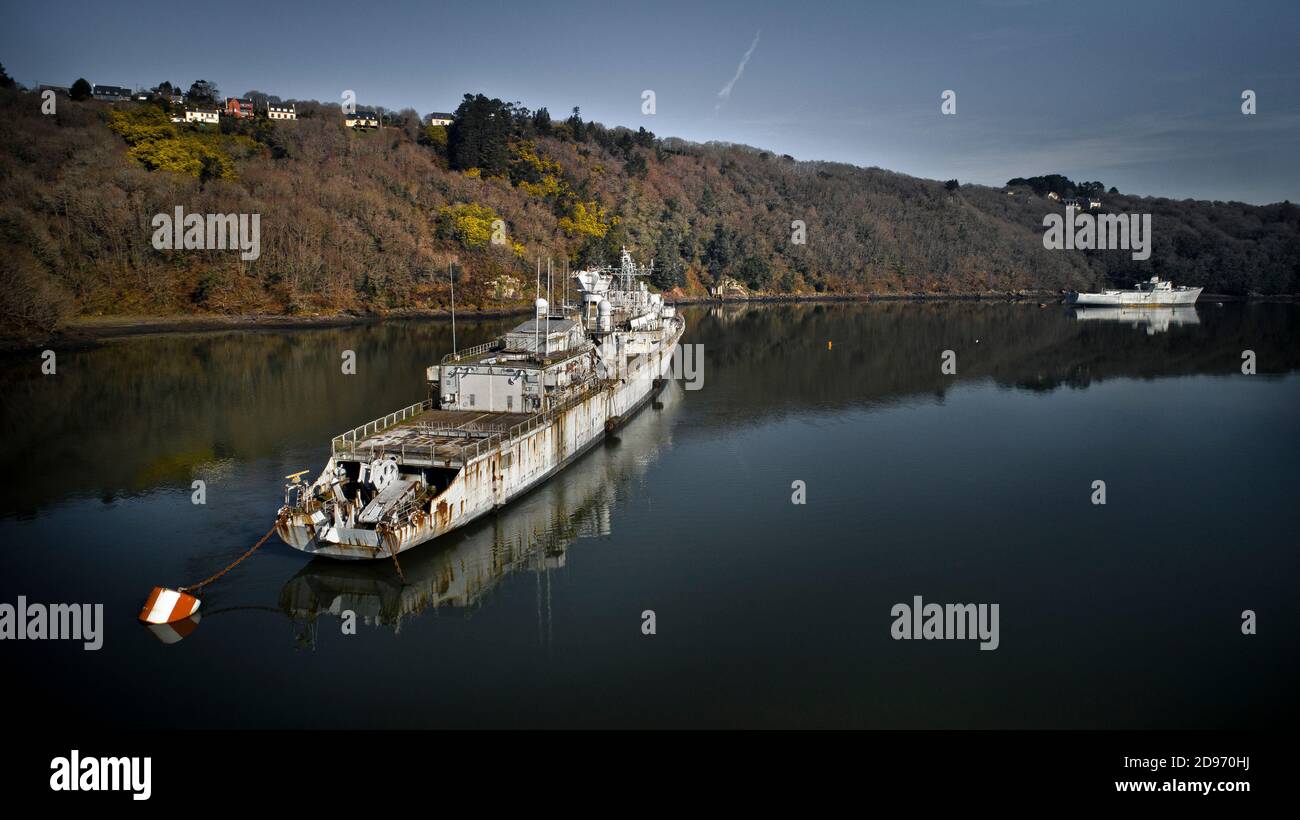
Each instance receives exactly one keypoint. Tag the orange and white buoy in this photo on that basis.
(176, 631)
(166, 606)
(170, 606)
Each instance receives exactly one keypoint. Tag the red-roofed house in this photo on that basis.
(236, 107)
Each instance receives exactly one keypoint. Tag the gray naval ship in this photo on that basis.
(1153, 293)
(501, 418)
(459, 573)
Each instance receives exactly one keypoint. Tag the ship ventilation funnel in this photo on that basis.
(605, 316)
(541, 306)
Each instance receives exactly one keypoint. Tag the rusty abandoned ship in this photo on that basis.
(500, 419)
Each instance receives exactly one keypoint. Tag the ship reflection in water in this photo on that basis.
(460, 569)
(1155, 320)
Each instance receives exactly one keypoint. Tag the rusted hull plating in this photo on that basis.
(493, 479)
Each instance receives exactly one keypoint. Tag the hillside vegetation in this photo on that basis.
(371, 221)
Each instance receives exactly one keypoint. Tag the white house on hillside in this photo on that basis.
(361, 119)
(202, 115)
(280, 111)
(110, 93)
(439, 118)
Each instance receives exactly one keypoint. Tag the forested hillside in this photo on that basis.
(370, 221)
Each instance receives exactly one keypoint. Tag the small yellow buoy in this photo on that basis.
(166, 606)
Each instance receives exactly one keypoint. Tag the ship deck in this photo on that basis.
(432, 438)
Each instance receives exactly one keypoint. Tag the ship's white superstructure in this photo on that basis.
(1153, 293)
(501, 418)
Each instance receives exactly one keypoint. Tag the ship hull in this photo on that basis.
(1129, 298)
(495, 478)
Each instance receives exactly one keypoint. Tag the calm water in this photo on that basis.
(973, 488)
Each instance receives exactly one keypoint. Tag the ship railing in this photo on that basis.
(479, 447)
(403, 511)
(340, 443)
(297, 495)
(348, 441)
(471, 352)
(580, 392)
(404, 452)
(448, 432)
(327, 509)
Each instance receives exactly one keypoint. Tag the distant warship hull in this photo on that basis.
(1152, 293)
(1131, 298)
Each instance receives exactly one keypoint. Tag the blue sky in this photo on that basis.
(1145, 96)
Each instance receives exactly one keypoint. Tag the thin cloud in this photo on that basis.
(725, 93)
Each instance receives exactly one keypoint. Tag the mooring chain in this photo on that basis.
(393, 554)
(237, 562)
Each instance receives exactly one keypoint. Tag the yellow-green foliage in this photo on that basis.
(469, 224)
(551, 181)
(184, 155)
(587, 219)
(158, 144)
(436, 135)
(549, 186)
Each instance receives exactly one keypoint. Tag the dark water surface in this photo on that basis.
(968, 488)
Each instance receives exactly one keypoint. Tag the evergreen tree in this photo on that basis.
(636, 166)
(756, 271)
(720, 252)
(576, 126)
(542, 121)
(204, 91)
(669, 272)
(479, 136)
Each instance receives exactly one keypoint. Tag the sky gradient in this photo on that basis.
(1145, 96)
